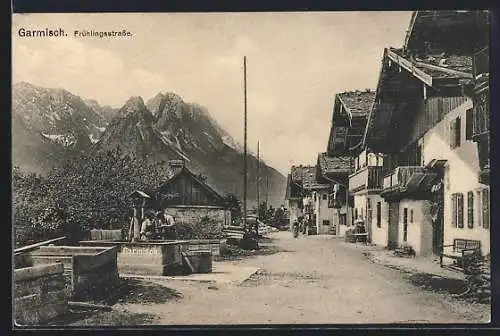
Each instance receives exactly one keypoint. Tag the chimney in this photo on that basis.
(175, 164)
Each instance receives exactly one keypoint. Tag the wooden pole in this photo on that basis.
(245, 143)
(258, 180)
(137, 225)
(267, 189)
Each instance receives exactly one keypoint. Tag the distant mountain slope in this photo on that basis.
(211, 150)
(51, 116)
(51, 124)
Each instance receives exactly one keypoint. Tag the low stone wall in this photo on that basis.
(39, 294)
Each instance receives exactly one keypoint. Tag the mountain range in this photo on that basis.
(50, 124)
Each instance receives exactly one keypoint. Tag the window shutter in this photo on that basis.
(486, 208)
(479, 208)
(451, 135)
(468, 124)
(379, 214)
(470, 210)
(458, 130)
(460, 211)
(454, 210)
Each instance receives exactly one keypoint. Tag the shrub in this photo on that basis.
(206, 228)
(83, 194)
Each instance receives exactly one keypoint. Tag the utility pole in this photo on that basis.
(245, 144)
(267, 188)
(258, 180)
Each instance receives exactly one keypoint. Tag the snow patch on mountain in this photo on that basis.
(65, 140)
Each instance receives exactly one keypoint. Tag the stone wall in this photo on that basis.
(39, 294)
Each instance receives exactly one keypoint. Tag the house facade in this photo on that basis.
(365, 184)
(334, 172)
(423, 122)
(308, 197)
(350, 114)
(189, 198)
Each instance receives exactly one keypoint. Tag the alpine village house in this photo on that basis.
(189, 198)
(416, 150)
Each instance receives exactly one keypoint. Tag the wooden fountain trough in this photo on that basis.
(84, 267)
(146, 258)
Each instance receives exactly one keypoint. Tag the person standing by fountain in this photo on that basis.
(171, 233)
(147, 227)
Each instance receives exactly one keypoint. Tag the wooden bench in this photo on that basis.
(461, 248)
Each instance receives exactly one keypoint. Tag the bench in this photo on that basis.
(461, 248)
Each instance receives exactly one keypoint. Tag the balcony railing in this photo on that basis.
(481, 63)
(399, 177)
(369, 178)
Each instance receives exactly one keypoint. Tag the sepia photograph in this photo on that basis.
(250, 168)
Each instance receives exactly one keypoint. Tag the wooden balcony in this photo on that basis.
(481, 63)
(399, 177)
(366, 178)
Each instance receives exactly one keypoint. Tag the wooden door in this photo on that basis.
(393, 225)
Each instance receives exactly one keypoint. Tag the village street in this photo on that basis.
(313, 279)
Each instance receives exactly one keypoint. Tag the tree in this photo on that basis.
(87, 193)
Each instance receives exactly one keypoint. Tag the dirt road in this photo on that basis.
(315, 279)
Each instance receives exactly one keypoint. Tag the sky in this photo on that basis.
(296, 63)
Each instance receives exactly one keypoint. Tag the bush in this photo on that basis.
(206, 228)
(83, 194)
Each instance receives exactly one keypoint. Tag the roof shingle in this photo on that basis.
(329, 164)
(358, 103)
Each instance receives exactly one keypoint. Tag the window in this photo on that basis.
(455, 128)
(469, 124)
(325, 196)
(356, 213)
(470, 210)
(486, 208)
(379, 214)
(326, 222)
(457, 210)
(411, 216)
(405, 224)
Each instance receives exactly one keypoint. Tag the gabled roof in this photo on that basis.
(178, 171)
(350, 111)
(357, 103)
(334, 169)
(449, 30)
(437, 77)
(432, 69)
(303, 174)
(338, 164)
(305, 177)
